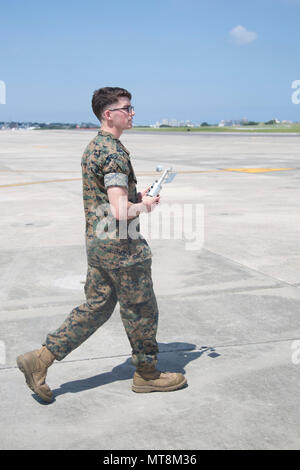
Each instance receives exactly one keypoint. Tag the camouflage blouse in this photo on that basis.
(110, 243)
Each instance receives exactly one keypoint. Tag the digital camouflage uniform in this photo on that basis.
(119, 266)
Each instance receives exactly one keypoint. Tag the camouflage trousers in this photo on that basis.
(130, 286)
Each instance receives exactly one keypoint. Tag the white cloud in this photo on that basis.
(241, 35)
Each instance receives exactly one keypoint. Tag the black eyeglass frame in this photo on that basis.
(128, 109)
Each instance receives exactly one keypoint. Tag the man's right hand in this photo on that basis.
(150, 202)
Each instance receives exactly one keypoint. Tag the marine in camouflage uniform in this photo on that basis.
(119, 259)
(119, 265)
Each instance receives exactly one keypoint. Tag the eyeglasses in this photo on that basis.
(128, 109)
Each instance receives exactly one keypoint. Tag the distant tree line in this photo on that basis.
(245, 123)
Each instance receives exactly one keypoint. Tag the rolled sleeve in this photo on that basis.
(116, 179)
(116, 169)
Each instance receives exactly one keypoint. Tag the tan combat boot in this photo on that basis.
(149, 379)
(34, 365)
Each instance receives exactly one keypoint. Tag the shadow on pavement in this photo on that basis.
(173, 357)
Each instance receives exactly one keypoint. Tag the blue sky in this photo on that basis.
(197, 60)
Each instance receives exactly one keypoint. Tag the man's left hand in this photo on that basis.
(142, 194)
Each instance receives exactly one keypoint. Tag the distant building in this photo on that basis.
(230, 123)
(174, 123)
(224, 123)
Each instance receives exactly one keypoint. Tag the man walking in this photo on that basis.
(119, 258)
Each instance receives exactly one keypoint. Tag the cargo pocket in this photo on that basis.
(134, 283)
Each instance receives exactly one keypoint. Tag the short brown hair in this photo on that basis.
(105, 97)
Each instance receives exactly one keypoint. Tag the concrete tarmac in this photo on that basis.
(229, 298)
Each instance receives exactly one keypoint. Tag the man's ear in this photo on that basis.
(107, 115)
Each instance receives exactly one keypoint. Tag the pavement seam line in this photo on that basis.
(77, 179)
(232, 170)
(198, 348)
(254, 270)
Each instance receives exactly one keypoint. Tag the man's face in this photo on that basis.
(121, 118)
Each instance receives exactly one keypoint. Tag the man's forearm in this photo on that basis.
(122, 209)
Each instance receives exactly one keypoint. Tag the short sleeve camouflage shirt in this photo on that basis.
(111, 243)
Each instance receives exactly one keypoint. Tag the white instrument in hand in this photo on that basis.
(167, 176)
